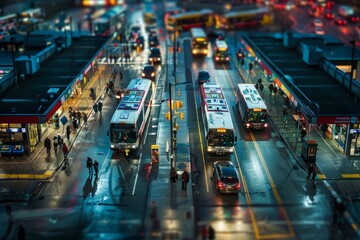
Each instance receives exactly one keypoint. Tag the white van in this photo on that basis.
(345, 11)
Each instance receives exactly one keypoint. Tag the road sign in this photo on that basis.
(63, 120)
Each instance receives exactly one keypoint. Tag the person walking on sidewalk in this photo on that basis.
(89, 165)
(315, 172)
(185, 179)
(65, 150)
(303, 134)
(100, 105)
(47, 145)
(324, 128)
(85, 117)
(68, 131)
(310, 170)
(96, 168)
(271, 88)
(60, 141)
(55, 143)
(78, 116)
(95, 108)
(173, 175)
(285, 114)
(211, 233)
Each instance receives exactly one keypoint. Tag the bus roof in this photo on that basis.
(198, 33)
(246, 12)
(221, 45)
(190, 14)
(216, 109)
(129, 106)
(251, 96)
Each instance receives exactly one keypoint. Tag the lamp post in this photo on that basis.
(352, 65)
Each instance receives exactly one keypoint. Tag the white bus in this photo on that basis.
(221, 52)
(218, 126)
(199, 41)
(252, 108)
(130, 117)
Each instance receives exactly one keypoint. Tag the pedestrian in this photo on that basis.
(257, 86)
(242, 63)
(78, 116)
(127, 57)
(95, 108)
(70, 112)
(100, 105)
(47, 145)
(324, 128)
(303, 134)
(204, 232)
(74, 123)
(251, 65)
(271, 88)
(96, 168)
(261, 86)
(315, 172)
(60, 141)
(259, 81)
(173, 175)
(121, 75)
(211, 233)
(126, 153)
(21, 233)
(65, 150)
(185, 179)
(55, 143)
(275, 90)
(285, 114)
(310, 170)
(85, 117)
(89, 165)
(68, 131)
(111, 86)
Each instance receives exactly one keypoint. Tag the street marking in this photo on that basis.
(321, 176)
(137, 175)
(350, 175)
(291, 233)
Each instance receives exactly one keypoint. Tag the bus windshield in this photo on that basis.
(200, 44)
(123, 134)
(221, 139)
(253, 116)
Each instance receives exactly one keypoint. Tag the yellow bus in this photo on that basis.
(194, 19)
(244, 19)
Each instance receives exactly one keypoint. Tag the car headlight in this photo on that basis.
(159, 59)
(143, 74)
(152, 74)
(150, 59)
(112, 146)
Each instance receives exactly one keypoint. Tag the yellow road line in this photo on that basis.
(46, 175)
(201, 144)
(277, 196)
(321, 176)
(350, 175)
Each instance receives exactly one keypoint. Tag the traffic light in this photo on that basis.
(167, 115)
(172, 104)
(179, 104)
(182, 116)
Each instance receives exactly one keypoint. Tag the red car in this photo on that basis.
(329, 15)
(354, 18)
(340, 21)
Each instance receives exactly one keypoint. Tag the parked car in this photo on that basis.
(226, 177)
(149, 72)
(155, 56)
(203, 76)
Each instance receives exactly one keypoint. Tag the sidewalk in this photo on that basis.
(39, 165)
(170, 213)
(332, 163)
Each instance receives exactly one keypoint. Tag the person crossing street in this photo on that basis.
(89, 165)
(96, 168)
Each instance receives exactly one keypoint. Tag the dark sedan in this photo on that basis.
(148, 72)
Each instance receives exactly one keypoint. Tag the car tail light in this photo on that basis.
(220, 185)
(238, 186)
